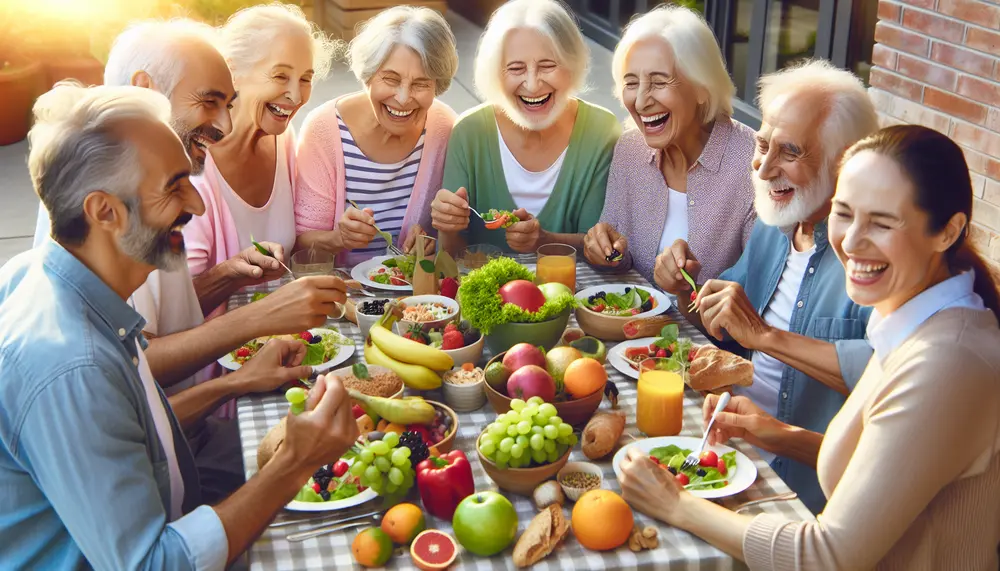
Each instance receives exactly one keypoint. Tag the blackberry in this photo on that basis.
(373, 307)
(417, 446)
(325, 495)
(701, 473)
(324, 482)
(323, 471)
(672, 470)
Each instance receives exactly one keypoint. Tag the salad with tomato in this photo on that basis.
(669, 346)
(396, 271)
(633, 302)
(319, 348)
(711, 473)
(330, 483)
(497, 219)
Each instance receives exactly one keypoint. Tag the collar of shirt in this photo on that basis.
(886, 333)
(107, 305)
(711, 155)
(819, 234)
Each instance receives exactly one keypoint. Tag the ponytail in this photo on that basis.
(964, 258)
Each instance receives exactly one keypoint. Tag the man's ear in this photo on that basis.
(142, 79)
(106, 212)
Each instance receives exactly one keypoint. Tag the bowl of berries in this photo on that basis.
(442, 430)
(462, 342)
(604, 309)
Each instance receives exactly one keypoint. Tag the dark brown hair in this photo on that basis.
(942, 187)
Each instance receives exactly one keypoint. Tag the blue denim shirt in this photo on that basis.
(823, 311)
(83, 475)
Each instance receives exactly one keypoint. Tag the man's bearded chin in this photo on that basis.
(513, 112)
(148, 245)
(805, 200)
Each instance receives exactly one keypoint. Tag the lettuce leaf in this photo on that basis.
(315, 354)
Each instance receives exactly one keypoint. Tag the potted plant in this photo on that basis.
(21, 81)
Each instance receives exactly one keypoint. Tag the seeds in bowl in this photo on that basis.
(581, 480)
(424, 312)
(379, 383)
(467, 374)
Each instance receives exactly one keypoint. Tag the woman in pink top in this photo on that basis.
(383, 147)
(911, 463)
(683, 175)
(248, 184)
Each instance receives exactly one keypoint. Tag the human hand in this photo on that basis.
(278, 362)
(725, 308)
(356, 228)
(743, 419)
(450, 210)
(250, 267)
(302, 304)
(647, 487)
(524, 236)
(667, 273)
(410, 243)
(600, 241)
(325, 431)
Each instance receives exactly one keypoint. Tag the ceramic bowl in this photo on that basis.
(465, 398)
(571, 467)
(468, 354)
(449, 439)
(402, 325)
(545, 334)
(521, 480)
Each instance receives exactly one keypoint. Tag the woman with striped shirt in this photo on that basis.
(381, 148)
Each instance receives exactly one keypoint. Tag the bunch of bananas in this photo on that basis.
(415, 363)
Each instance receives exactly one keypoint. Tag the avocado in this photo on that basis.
(591, 347)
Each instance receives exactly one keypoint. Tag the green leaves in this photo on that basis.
(360, 370)
(427, 266)
(260, 248)
(315, 353)
(445, 265)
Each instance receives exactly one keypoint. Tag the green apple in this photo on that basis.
(485, 523)
(591, 347)
(553, 290)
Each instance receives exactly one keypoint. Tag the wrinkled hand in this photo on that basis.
(743, 419)
(524, 236)
(250, 267)
(325, 431)
(302, 304)
(667, 272)
(410, 243)
(278, 362)
(725, 308)
(450, 210)
(600, 241)
(648, 487)
(356, 228)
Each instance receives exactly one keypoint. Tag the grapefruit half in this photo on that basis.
(433, 550)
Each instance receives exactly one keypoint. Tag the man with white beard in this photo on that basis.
(785, 301)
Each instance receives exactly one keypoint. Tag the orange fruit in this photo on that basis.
(602, 520)
(372, 547)
(393, 427)
(433, 550)
(584, 377)
(403, 522)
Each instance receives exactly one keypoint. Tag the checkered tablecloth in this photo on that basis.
(678, 549)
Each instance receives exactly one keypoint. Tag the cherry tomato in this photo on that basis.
(709, 458)
(340, 468)
(316, 487)
(243, 352)
(694, 296)
(721, 467)
(661, 353)
(682, 479)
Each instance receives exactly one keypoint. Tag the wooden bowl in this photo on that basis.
(449, 439)
(575, 412)
(372, 369)
(609, 327)
(521, 480)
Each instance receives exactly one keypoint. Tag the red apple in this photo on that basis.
(521, 355)
(531, 381)
(523, 294)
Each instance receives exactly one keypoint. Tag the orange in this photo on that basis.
(372, 547)
(602, 520)
(393, 427)
(403, 522)
(584, 377)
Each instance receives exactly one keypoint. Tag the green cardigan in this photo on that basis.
(578, 197)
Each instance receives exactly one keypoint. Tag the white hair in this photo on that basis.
(548, 17)
(249, 33)
(696, 54)
(850, 113)
(152, 46)
(423, 30)
(75, 149)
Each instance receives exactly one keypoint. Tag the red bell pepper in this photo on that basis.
(444, 482)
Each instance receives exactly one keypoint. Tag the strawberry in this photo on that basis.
(449, 287)
(412, 336)
(452, 340)
(306, 335)
(450, 327)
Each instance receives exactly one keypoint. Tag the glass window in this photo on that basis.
(790, 34)
(864, 16)
(737, 49)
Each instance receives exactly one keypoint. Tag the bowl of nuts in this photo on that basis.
(577, 478)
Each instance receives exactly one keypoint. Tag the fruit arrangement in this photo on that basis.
(330, 483)
(385, 465)
(418, 364)
(452, 336)
(562, 374)
(530, 434)
(427, 422)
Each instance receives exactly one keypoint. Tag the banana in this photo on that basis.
(409, 351)
(399, 411)
(414, 376)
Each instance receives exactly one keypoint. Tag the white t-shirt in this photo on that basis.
(273, 222)
(676, 226)
(162, 423)
(530, 190)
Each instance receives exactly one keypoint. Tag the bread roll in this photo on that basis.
(270, 444)
(713, 368)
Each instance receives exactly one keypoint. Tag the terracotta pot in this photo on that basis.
(85, 69)
(19, 86)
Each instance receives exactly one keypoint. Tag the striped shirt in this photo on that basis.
(385, 188)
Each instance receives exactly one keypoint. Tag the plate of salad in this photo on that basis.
(627, 355)
(394, 273)
(325, 349)
(623, 300)
(331, 488)
(721, 472)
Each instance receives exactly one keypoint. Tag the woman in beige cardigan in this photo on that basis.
(910, 464)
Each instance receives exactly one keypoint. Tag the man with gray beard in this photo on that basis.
(784, 301)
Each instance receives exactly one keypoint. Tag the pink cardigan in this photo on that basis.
(320, 187)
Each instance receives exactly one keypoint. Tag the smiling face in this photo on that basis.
(536, 85)
(401, 93)
(881, 235)
(660, 100)
(276, 87)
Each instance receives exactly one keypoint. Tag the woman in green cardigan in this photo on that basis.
(533, 148)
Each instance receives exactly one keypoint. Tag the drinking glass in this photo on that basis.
(660, 402)
(317, 263)
(557, 263)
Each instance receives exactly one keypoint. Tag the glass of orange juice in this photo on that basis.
(557, 263)
(660, 406)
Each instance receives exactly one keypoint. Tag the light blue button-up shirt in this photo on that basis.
(83, 474)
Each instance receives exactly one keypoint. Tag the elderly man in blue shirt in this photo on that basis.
(785, 300)
(94, 467)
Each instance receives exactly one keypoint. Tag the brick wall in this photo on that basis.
(937, 63)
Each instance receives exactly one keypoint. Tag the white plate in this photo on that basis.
(662, 301)
(360, 273)
(746, 472)
(344, 354)
(350, 502)
(616, 356)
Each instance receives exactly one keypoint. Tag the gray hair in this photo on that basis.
(851, 115)
(152, 46)
(248, 33)
(551, 19)
(423, 30)
(75, 150)
(696, 54)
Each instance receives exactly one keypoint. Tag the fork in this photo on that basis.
(694, 458)
(694, 287)
(325, 529)
(476, 212)
(385, 235)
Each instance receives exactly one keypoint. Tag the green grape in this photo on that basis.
(502, 457)
(372, 473)
(537, 430)
(501, 465)
(379, 448)
(378, 483)
(561, 449)
(521, 461)
(551, 432)
(512, 430)
(573, 439)
(487, 438)
(563, 440)
(555, 420)
(511, 417)
(516, 405)
(398, 457)
(487, 448)
(523, 440)
(538, 456)
(530, 410)
(549, 445)
(525, 416)
(406, 451)
(565, 429)
(548, 410)
(391, 488)
(524, 427)
(497, 430)
(358, 468)
(516, 451)
(396, 476)
(406, 465)
(506, 444)
(552, 456)
(391, 438)
(537, 401)
(383, 464)
(537, 441)
(367, 455)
